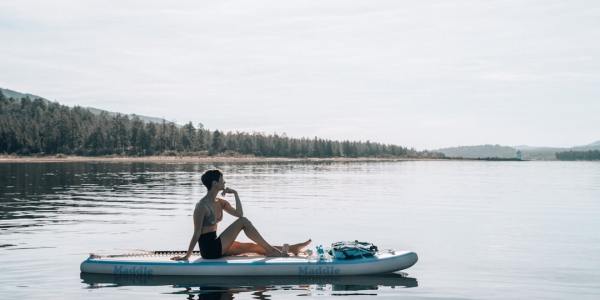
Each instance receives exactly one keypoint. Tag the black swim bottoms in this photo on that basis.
(210, 245)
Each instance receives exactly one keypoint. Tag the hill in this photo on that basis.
(17, 95)
(38, 126)
(593, 146)
(96, 111)
(527, 152)
(480, 151)
(539, 153)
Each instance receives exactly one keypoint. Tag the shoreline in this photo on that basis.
(192, 159)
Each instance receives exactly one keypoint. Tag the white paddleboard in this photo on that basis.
(159, 263)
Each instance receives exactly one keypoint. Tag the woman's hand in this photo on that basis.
(228, 191)
(238, 212)
(180, 257)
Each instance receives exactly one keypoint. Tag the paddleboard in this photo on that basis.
(158, 263)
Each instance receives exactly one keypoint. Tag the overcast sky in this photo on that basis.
(423, 74)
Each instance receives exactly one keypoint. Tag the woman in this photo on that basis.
(209, 212)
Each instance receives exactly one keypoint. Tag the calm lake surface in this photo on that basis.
(483, 230)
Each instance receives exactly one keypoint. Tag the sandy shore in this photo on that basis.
(184, 159)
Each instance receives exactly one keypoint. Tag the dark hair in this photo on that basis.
(209, 176)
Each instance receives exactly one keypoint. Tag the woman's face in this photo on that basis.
(221, 184)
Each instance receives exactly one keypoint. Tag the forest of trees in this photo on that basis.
(579, 155)
(41, 127)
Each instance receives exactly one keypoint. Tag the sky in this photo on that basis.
(422, 74)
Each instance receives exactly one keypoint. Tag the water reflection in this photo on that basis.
(261, 287)
(38, 194)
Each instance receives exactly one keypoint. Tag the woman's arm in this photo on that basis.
(198, 220)
(238, 211)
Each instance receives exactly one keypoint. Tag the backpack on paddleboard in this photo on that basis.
(352, 250)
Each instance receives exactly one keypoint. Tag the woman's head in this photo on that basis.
(213, 179)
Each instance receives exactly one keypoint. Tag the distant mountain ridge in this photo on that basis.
(593, 146)
(499, 151)
(18, 95)
(480, 151)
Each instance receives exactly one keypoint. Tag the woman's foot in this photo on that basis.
(297, 248)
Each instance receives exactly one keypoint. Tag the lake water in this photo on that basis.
(483, 230)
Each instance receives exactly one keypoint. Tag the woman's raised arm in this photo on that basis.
(238, 211)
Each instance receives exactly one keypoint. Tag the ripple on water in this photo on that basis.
(482, 229)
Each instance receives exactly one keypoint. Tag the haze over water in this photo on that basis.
(482, 230)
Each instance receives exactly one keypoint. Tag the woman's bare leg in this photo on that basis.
(230, 233)
(240, 248)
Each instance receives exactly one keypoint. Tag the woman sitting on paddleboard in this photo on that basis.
(209, 212)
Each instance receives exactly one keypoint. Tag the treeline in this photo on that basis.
(578, 155)
(41, 127)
